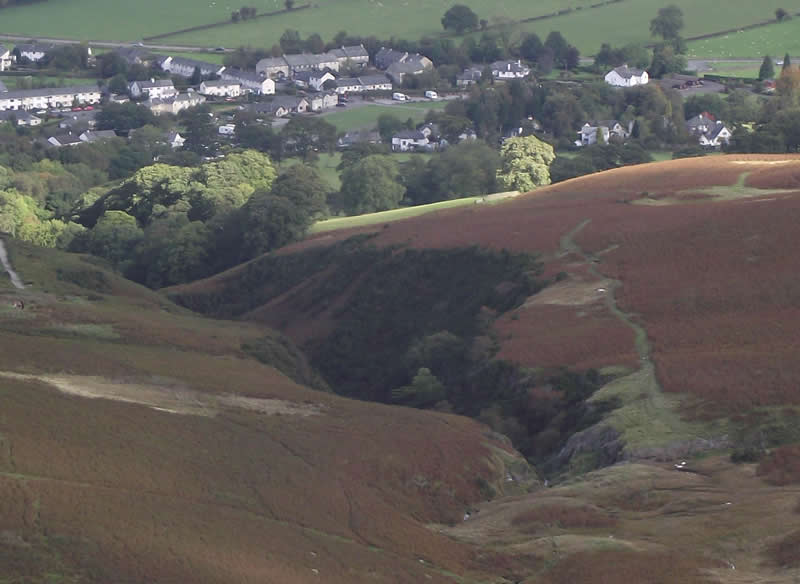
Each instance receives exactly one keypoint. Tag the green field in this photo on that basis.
(11, 81)
(734, 69)
(367, 116)
(775, 40)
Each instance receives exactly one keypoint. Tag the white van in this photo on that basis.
(431, 95)
(399, 96)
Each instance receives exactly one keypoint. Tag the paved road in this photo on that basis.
(112, 44)
(15, 279)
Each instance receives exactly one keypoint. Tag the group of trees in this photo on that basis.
(244, 13)
(460, 18)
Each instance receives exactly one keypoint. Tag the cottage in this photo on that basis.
(175, 140)
(173, 105)
(351, 56)
(716, 136)
(625, 76)
(609, 129)
(701, 124)
(77, 122)
(386, 57)
(273, 68)
(503, 70)
(291, 104)
(470, 76)
(227, 129)
(309, 62)
(160, 88)
(20, 118)
(33, 52)
(59, 97)
(5, 58)
(250, 82)
(313, 79)
(322, 101)
(408, 140)
(220, 88)
(349, 85)
(186, 67)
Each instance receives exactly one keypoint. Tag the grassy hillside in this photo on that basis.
(585, 27)
(776, 40)
(140, 443)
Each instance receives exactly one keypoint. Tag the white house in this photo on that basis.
(717, 135)
(273, 67)
(160, 88)
(175, 140)
(221, 88)
(349, 85)
(625, 76)
(59, 97)
(375, 83)
(250, 82)
(173, 105)
(313, 79)
(608, 129)
(409, 140)
(5, 58)
(33, 52)
(322, 101)
(21, 118)
(3, 87)
(509, 70)
(227, 129)
(186, 67)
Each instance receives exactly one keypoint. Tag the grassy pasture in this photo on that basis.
(775, 40)
(12, 81)
(367, 116)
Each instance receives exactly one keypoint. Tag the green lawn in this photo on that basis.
(734, 69)
(367, 116)
(12, 81)
(775, 40)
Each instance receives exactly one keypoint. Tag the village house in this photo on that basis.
(503, 70)
(160, 88)
(349, 85)
(351, 56)
(716, 137)
(77, 122)
(227, 129)
(292, 104)
(609, 129)
(625, 76)
(312, 79)
(375, 83)
(410, 65)
(220, 88)
(310, 62)
(386, 57)
(5, 58)
(20, 118)
(470, 76)
(362, 136)
(186, 67)
(701, 124)
(59, 97)
(64, 140)
(175, 140)
(409, 140)
(273, 67)
(322, 101)
(33, 52)
(173, 105)
(250, 82)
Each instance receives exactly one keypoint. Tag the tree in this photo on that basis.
(787, 63)
(558, 45)
(315, 44)
(389, 125)
(302, 185)
(530, 47)
(781, 14)
(201, 134)
(306, 136)
(465, 170)
(289, 4)
(114, 237)
(525, 164)
(236, 16)
(668, 23)
(425, 390)
(267, 222)
(197, 77)
(666, 60)
(124, 117)
(767, 70)
(118, 84)
(370, 185)
(460, 18)
(291, 42)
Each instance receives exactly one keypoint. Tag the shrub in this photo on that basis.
(782, 466)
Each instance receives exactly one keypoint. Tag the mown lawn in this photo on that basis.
(367, 116)
(775, 40)
(12, 81)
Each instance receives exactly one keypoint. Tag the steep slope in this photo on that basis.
(681, 270)
(140, 443)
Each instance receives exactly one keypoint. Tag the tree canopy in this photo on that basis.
(668, 24)
(460, 18)
(525, 164)
(370, 185)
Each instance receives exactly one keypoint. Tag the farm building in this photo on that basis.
(625, 76)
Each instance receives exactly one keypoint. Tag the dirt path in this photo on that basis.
(15, 279)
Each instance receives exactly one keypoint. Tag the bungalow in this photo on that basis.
(470, 76)
(407, 140)
(312, 79)
(716, 136)
(161, 88)
(33, 52)
(186, 67)
(509, 70)
(5, 58)
(59, 97)
(273, 67)
(220, 88)
(375, 83)
(250, 82)
(97, 135)
(322, 101)
(349, 85)
(292, 104)
(20, 118)
(625, 76)
(64, 140)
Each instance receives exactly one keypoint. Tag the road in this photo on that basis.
(15, 279)
(112, 44)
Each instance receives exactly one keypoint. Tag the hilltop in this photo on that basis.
(141, 443)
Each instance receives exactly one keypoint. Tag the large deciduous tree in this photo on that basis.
(668, 23)
(460, 18)
(525, 163)
(370, 185)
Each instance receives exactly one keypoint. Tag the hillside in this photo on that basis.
(140, 443)
(678, 273)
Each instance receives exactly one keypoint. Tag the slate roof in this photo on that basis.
(627, 72)
(410, 135)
